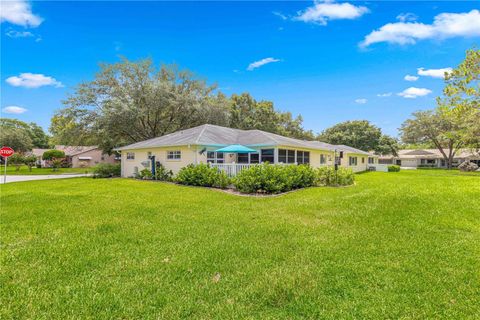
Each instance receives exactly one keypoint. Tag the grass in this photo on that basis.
(12, 170)
(394, 246)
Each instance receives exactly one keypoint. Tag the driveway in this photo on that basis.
(41, 177)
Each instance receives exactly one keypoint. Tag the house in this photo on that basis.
(201, 144)
(428, 158)
(78, 156)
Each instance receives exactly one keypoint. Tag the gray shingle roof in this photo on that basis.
(208, 134)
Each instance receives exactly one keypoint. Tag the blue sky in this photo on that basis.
(328, 61)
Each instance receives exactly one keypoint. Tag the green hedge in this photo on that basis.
(266, 178)
(106, 170)
(393, 168)
(327, 176)
(202, 175)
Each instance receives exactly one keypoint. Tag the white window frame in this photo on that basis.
(130, 155)
(174, 155)
(215, 157)
(323, 159)
(352, 161)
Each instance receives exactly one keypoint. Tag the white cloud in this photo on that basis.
(18, 12)
(324, 11)
(280, 15)
(258, 64)
(361, 101)
(14, 110)
(404, 17)
(445, 25)
(31, 80)
(18, 34)
(413, 92)
(387, 94)
(434, 73)
(410, 78)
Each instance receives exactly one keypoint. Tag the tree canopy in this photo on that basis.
(133, 101)
(360, 134)
(22, 136)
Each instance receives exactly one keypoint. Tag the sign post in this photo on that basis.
(6, 152)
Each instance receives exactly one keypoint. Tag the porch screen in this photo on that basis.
(286, 156)
(242, 157)
(267, 155)
(303, 157)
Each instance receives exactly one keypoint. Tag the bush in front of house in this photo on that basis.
(17, 160)
(266, 178)
(468, 166)
(56, 156)
(328, 176)
(393, 168)
(30, 161)
(145, 174)
(202, 175)
(106, 170)
(162, 174)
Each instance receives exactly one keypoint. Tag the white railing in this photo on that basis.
(232, 169)
(378, 167)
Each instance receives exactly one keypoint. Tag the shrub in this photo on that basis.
(106, 170)
(30, 161)
(202, 175)
(393, 168)
(145, 174)
(327, 176)
(266, 178)
(468, 166)
(17, 160)
(162, 174)
(53, 154)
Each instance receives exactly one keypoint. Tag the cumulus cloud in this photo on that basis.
(361, 101)
(410, 78)
(18, 12)
(434, 73)
(323, 11)
(445, 25)
(14, 110)
(31, 80)
(383, 95)
(412, 92)
(259, 63)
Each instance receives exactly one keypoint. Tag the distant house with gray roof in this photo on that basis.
(78, 156)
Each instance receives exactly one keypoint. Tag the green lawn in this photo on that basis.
(12, 170)
(396, 245)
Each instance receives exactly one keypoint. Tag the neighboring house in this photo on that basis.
(199, 144)
(428, 158)
(78, 156)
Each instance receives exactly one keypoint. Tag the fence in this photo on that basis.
(231, 169)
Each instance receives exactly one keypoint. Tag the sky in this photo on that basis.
(328, 61)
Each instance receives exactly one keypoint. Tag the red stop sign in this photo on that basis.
(6, 152)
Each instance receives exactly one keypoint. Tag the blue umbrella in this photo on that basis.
(236, 148)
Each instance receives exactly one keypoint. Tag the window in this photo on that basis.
(341, 155)
(286, 156)
(267, 155)
(329, 157)
(215, 157)
(130, 156)
(303, 157)
(323, 159)
(363, 159)
(254, 157)
(371, 160)
(352, 161)
(174, 155)
(242, 157)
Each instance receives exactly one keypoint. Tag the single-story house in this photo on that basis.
(409, 158)
(78, 156)
(200, 144)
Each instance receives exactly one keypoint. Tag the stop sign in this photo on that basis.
(6, 152)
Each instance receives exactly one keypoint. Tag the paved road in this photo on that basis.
(41, 177)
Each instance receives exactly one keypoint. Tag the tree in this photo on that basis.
(55, 156)
(360, 134)
(38, 138)
(15, 138)
(437, 127)
(247, 113)
(461, 97)
(129, 102)
(17, 160)
(30, 161)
